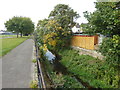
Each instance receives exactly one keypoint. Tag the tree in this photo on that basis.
(21, 25)
(27, 26)
(105, 19)
(110, 48)
(62, 19)
(40, 30)
(64, 15)
(55, 32)
(13, 25)
(56, 37)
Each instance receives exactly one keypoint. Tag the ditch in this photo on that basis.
(57, 76)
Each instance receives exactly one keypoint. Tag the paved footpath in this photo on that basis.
(0, 73)
(16, 66)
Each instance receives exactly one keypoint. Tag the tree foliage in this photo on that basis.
(23, 25)
(56, 36)
(55, 32)
(64, 15)
(41, 30)
(105, 20)
(111, 49)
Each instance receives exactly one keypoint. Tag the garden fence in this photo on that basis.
(85, 41)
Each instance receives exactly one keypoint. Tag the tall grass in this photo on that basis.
(7, 44)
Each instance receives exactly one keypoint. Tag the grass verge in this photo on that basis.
(8, 44)
(5, 36)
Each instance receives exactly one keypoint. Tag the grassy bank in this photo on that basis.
(91, 70)
(7, 44)
(58, 79)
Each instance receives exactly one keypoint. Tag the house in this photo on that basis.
(77, 28)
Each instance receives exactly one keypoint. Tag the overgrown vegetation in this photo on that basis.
(111, 49)
(51, 31)
(65, 81)
(59, 80)
(49, 35)
(34, 84)
(104, 20)
(97, 73)
(55, 34)
(91, 70)
(34, 60)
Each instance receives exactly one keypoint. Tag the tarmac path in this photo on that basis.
(0, 73)
(16, 66)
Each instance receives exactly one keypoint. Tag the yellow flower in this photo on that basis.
(45, 47)
(60, 28)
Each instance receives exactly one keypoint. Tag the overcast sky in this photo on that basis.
(40, 9)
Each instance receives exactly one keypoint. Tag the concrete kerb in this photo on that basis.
(34, 65)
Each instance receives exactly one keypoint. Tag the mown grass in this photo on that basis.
(3, 36)
(7, 44)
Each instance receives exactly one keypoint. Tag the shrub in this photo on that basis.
(91, 70)
(110, 48)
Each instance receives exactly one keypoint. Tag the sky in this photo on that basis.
(40, 9)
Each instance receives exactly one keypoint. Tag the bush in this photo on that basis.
(110, 48)
(91, 70)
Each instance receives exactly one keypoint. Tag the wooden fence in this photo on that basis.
(85, 41)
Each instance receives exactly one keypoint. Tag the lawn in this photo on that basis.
(7, 44)
(10, 36)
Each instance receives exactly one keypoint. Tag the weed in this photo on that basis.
(34, 84)
(90, 69)
(34, 60)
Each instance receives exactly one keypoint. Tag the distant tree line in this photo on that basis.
(22, 25)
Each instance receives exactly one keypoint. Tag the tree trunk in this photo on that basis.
(21, 34)
(17, 34)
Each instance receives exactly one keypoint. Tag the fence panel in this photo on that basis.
(84, 41)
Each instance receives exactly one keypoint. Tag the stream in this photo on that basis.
(59, 68)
